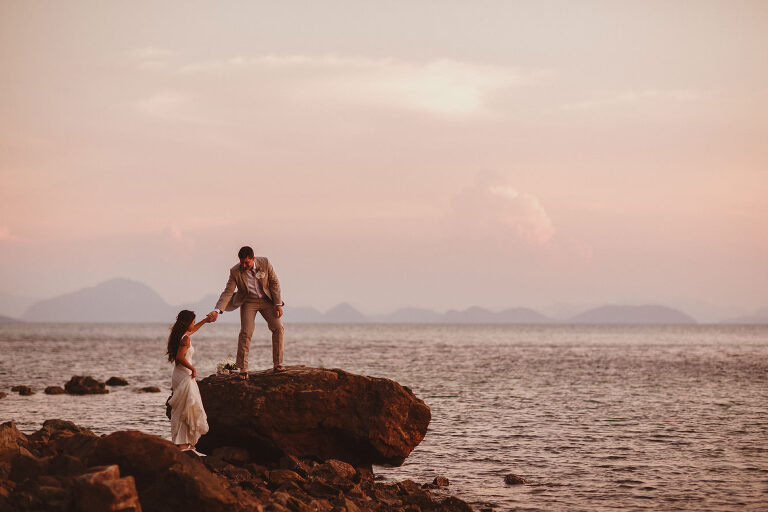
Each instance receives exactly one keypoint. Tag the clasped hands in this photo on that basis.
(214, 315)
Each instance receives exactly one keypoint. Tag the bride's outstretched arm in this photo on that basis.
(199, 324)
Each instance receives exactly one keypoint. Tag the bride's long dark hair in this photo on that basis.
(183, 319)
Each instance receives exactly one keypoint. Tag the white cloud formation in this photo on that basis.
(445, 86)
(493, 208)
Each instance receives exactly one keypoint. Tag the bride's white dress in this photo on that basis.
(188, 419)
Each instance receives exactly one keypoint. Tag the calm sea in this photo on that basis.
(594, 417)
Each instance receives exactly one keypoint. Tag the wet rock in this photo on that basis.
(335, 473)
(441, 481)
(150, 389)
(279, 477)
(36, 496)
(346, 504)
(85, 385)
(23, 390)
(63, 464)
(320, 489)
(454, 504)
(166, 477)
(80, 446)
(54, 390)
(103, 490)
(25, 466)
(314, 413)
(302, 467)
(55, 429)
(236, 474)
(3, 395)
(116, 381)
(11, 440)
(511, 479)
(231, 454)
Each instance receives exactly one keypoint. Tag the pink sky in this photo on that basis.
(434, 154)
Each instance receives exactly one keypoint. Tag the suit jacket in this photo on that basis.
(236, 290)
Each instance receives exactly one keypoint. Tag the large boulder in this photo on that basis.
(85, 385)
(314, 413)
(166, 477)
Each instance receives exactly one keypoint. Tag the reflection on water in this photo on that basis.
(594, 417)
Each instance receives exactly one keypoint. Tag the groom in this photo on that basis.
(258, 290)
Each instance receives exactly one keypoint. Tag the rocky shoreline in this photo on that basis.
(303, 440)
(64, 467)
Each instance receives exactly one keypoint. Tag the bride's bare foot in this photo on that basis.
(185, 446)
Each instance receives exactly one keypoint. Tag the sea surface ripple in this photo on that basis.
(595, 418)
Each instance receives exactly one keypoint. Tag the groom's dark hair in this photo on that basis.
(245, 252)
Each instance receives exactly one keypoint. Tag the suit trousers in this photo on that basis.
(248, 311)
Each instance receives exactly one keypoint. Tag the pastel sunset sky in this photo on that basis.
(436, 154)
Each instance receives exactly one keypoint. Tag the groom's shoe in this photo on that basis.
(279, 368)
(244, 375)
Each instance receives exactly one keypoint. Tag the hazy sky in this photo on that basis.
(437, 154)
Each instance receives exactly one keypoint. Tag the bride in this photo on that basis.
(188, 419)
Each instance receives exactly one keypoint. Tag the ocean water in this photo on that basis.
(595, 418)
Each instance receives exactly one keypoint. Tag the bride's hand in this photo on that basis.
(194, 373)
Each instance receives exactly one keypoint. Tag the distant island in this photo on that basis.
(648, 314)
(126, 301)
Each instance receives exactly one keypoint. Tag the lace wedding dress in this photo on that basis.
(188, 419)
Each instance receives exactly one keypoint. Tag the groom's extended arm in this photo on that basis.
(226, 295)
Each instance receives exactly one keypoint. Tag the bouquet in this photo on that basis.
(227, 366)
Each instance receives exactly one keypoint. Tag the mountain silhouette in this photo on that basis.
(410, 316)
(124, 300)
(344, 313)
(117, 300)
(621, 314)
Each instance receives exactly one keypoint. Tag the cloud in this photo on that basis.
(165, 104)
(444, 86)
(174, 234)
(633, 97)
(493, 208)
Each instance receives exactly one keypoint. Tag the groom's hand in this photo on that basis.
(213, 315)
(279, 311)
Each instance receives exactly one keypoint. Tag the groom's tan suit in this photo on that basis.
(261, 296)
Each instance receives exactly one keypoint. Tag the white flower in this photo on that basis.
(226, 366)
(261, 274)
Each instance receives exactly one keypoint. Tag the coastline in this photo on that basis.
(62, 466)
